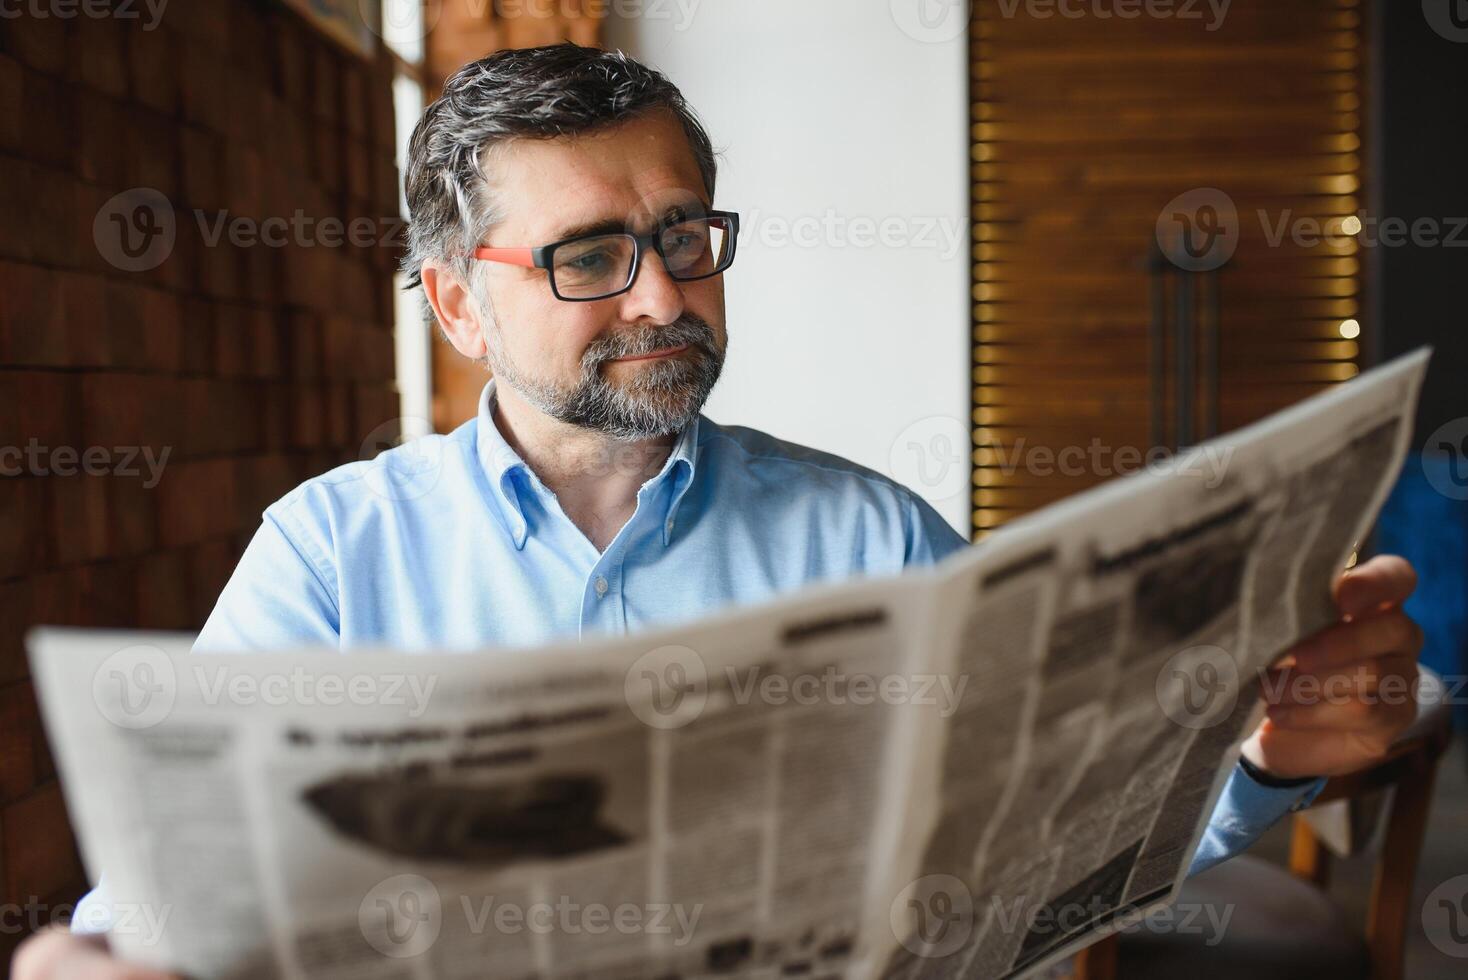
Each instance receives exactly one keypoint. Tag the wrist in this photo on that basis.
(1266, 778)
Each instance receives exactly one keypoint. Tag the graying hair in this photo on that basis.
(532, 93)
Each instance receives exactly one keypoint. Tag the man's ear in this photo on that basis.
(458, 312)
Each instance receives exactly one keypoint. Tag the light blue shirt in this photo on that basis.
(453, 542)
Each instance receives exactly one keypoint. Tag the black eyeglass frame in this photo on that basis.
(542, 257)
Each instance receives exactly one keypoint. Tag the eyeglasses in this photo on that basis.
(591, 267)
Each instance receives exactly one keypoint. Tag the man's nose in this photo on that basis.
(655, 295)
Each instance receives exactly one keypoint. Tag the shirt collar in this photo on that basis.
(679, 470)
(501, 464)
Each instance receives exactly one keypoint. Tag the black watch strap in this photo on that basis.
(1274, 782)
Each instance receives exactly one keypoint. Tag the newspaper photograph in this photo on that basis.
(967, 771)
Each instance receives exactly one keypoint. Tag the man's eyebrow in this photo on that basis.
(608, 226)
(616, 226)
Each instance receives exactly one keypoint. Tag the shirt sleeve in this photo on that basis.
(282, 594)
(1245, 809)
(930, 538)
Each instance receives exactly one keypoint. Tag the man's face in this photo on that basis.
(634, 366)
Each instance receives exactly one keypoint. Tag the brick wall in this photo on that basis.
(251, 366)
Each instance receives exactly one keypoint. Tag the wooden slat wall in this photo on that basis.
(1084, 128)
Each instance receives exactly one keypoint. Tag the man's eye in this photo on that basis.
(590, 262)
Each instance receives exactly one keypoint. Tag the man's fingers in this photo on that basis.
(1391, 678)
(1385, 580)
(1344, 644)
(1375, 700)
(1337, 700)
(1378, 723)
(56, 953)
(1289, 752)
(1345, 716)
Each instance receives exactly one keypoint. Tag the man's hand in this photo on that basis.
(1339, 698)
(55, 953)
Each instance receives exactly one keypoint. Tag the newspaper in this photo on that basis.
(967, 771)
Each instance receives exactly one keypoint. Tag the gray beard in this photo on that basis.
(663, 398)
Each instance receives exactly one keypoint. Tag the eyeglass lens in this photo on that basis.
(600, 266)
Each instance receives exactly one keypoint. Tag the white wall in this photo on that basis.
(828, 112)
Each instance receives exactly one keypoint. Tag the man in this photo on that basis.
(564, 234)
